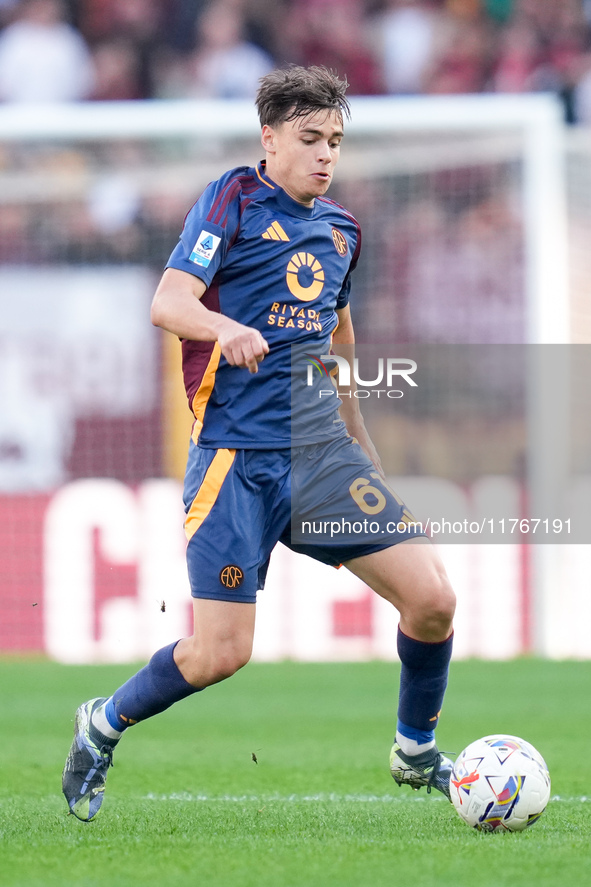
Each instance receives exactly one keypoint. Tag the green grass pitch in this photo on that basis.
(187, 804)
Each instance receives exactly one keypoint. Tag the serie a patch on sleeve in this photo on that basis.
(204, 249)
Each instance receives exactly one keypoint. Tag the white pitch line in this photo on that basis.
(285, 799)
(188, 797)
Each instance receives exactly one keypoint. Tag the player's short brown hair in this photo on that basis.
(288, 93)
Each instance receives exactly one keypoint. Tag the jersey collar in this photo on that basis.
(287, 203)
(261, 173)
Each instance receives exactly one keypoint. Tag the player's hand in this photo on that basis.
(241, 345)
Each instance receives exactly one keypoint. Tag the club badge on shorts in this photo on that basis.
(231, 576)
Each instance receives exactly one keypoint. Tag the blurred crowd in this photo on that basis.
(110, 50)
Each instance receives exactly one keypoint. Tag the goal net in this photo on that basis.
(462, 207)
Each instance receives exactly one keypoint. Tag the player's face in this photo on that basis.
(302, 154)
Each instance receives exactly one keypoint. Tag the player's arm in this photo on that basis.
(177, 307)
(343, 344)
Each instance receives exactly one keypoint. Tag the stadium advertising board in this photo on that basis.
(100, 576)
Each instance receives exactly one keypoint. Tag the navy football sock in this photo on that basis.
(153, 689)
(423, 679)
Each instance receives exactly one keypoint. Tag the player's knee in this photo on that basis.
(444, 604)
(439, 608)
(229, 661)
(216, 662)
(430, 618)
(229, 656)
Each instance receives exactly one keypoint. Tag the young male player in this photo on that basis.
(263, 264)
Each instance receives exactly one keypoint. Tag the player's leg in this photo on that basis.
(340, 495)
(221, 644)
(411, 576)
(232, 527)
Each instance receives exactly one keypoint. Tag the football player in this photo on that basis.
(258, 284)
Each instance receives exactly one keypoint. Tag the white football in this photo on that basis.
(500, 783)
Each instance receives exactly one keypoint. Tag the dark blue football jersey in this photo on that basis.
(283, 268)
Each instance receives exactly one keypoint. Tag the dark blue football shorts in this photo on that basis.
(325, 500)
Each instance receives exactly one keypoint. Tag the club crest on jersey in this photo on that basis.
(305, 277)
(204, 249)
(339, 242)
